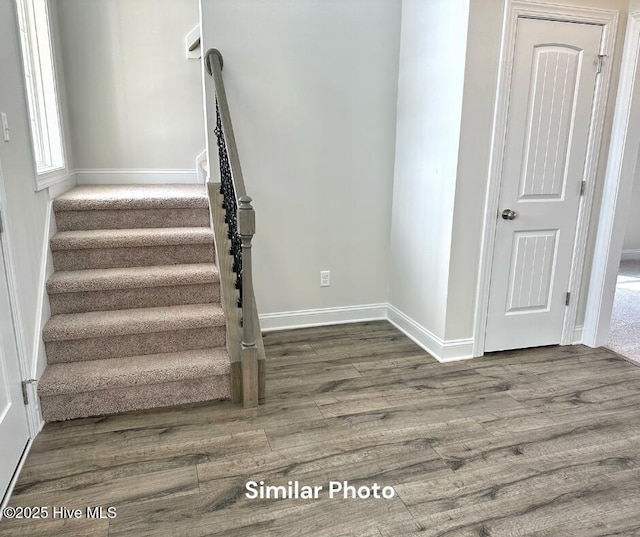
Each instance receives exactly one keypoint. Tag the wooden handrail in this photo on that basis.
(213, 63)
(234, 228)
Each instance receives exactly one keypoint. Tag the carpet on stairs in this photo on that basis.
(135, 300)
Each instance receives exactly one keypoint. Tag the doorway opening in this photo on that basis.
(624, 335)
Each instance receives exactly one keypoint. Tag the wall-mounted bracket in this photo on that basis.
(193, 44)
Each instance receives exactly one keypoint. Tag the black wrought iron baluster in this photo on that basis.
(229, 203)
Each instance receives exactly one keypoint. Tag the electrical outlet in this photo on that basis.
(325, 278)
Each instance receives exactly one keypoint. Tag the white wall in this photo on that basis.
(25, 222)
(481, 72)
(429, 110)
(631, 244)
(312, 87)
(136, 101)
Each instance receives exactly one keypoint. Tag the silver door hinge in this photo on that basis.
(566, 299)
(25, 393)
(583, 187)
(600, 63)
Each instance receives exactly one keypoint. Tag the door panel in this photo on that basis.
(555, 69)
(14, 429)
(530, 281)
(550, 107)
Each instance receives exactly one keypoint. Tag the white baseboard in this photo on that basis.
(443, 351)
(321, 317)
(125, 177)
(630, 255)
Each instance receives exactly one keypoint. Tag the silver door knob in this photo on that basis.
(508, 214)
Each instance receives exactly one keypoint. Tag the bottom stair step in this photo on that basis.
(82, 389)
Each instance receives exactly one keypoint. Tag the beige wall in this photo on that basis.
(312, 88)
(135, 100)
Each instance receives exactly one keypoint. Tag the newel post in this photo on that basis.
(246, 229)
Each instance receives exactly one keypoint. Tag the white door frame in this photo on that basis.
(618, 184)
(514, 10)
(33, 412)
(34, 420)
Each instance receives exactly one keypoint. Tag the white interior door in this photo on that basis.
(14, 428)
(550, 106)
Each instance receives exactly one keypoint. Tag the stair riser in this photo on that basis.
(113, 401)
(143, 256)
(122, 299)
(134, 344)
(132, 218)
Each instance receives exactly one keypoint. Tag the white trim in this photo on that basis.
(16, 311)
(201, 166)
(55, 134)
(49, 179)
(14, 480)
(596, 130)
(43, 313)
(441, 350)
(321, 317)
(618, 184)
(630, 255)
(99, 176)
(577, 335)
(60, 188)
(515, 9)
(18, 327)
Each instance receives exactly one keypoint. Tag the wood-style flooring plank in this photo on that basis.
(213, 418)
(226, 512)
(523, 476)
(134, 489)
(54, 528)
(567, 501)
(541, 442)
(82, 465)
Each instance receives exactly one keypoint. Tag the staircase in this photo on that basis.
(135, 302)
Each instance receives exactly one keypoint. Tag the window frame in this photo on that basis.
(42, 94)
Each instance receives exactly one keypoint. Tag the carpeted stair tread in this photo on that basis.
(77, 377)
(76, 281)
(130, 238)
(136, 319)
(132, 321)
(107, 197)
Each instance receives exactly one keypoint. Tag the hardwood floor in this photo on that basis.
(542, 442)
